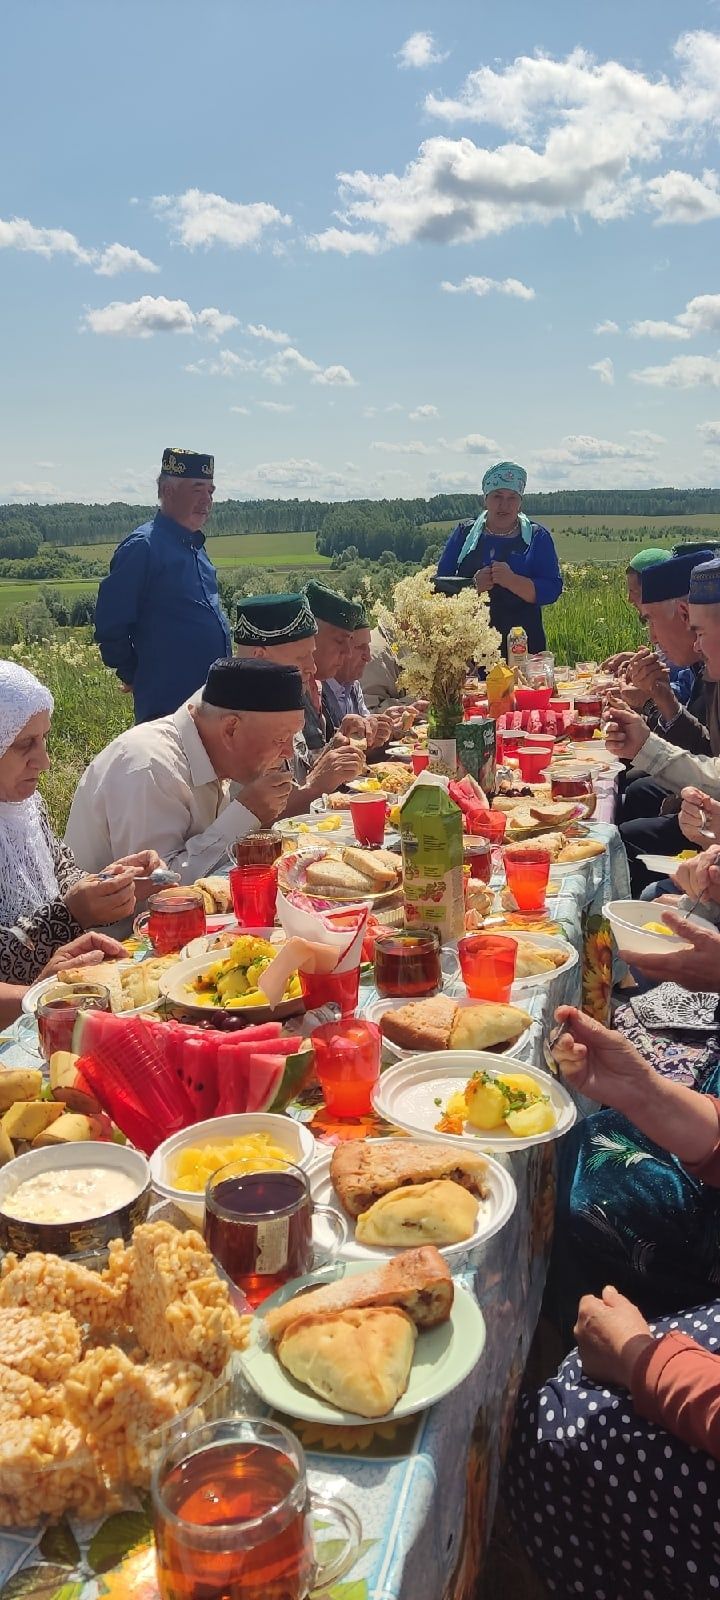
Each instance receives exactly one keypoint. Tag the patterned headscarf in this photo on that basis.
(27, 869)
(505, 475)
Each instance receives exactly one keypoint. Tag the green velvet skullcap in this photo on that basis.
(268, 619)
(327, 606)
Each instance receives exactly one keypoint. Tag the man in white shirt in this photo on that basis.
(191, 784)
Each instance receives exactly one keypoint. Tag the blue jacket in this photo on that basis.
(158, 621)
(536, 560)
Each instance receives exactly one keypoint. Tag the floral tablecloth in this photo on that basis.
(425, 1489)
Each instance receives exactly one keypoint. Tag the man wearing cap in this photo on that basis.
(506, 556)
(198, 780)
(282, 628)
(633, 579)
(336, 618)
(158, 620)
(345, 696)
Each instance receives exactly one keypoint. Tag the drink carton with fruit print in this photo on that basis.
(432, 852)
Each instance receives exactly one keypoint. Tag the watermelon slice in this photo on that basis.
(266, 1075)
(299, 1069)
(197, 1069)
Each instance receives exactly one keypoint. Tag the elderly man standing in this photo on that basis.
(158, 621)
(191, 784)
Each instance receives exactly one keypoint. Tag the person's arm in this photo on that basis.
(676, 1383)
(678, 769)
(148, 808)
(447, 565)
(544, 568)
(118, 606)
(26, 947)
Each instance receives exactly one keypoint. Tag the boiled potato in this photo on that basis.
(522, 1083)
(486, 1104)
(538, 1118)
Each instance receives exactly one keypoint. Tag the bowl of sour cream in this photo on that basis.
(72, 1199)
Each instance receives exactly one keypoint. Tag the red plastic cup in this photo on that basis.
(347, 1062)
(419, 760)
(368, 812)
(560, 705)
(331, 989)
(527, 876)
(487, 963)
(532, 763)
(254, 893)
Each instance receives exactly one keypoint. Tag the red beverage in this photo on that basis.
(257, 849)
(532, 763)
(420, 761)
(487, 963)
(172, 919)
(479, 860)
(583, 728)
(560, 705)
(233, 1512)
(570, 783)
(258, 1225)
(527, 874)
(254, 892)
(512, 741)
(368, 812)
(588, 705)
(407, 964)
(57, 1011)
(347, 1062)
(331, 989)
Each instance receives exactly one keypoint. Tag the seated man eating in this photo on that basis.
(191, 784)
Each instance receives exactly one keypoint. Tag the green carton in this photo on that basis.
(431, 832)
(475, 742)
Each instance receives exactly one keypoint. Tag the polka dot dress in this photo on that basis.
(608, 1506)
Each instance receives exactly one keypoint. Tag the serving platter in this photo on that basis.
(412, 1095)
(444, 1357)
(176, 989)
(493, 1213)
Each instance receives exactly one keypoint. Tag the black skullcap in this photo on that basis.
(234, 685)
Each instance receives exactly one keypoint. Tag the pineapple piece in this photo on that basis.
(19, 1083)
(27, 1118)
(537, 1118)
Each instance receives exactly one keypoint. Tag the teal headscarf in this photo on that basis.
(504, 475)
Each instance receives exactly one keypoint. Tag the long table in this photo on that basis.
(425, 1489)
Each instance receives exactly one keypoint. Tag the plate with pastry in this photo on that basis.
(540, 958)
(575, 853)
(444, 1022)
(483, 1100)
(395, 1193)
(379, 1344)
(345, 873)
(133, 986)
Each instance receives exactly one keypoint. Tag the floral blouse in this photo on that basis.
(25, 948)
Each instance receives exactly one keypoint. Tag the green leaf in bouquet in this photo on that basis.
(120, 1534)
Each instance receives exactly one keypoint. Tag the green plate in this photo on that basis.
(443, 1358)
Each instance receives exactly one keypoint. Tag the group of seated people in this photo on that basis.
(274, 727)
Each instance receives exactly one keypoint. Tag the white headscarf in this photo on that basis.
(27, 871)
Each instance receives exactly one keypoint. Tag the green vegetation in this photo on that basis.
(240, 549)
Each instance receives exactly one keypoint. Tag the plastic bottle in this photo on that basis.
(517, 652)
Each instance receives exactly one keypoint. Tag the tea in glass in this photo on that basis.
(259, 1226)
(584, 728)
(570, 783)
(407, 964)
(588, 705)
(257, 849)
(479, 859)
(172, 919)
(57, 1012)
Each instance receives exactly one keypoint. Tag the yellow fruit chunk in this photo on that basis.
(486, 1104)
(658, 927)
(538, 1118)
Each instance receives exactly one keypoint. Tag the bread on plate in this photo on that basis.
(418, 1281)
(359, 1359)
(362, 1170)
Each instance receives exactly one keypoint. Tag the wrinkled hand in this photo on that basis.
(651, 677)
(484, 580)
(697, 968)
(502, 575)
(699, 816)
(599, 1063)
(337, 765)
(378, 729)
(633, 699)
(625, 732)
(614, 663)
(353, 727)
(141, 863)
(699, 878)
(267, 796)
(97, 902)
(611, 1335)
(88, 951)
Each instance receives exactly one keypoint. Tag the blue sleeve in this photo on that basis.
(447, 565)
(118, 605)
(544, 568)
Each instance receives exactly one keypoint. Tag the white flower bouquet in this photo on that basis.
(436, 639)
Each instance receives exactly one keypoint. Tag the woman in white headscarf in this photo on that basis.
(46, 902)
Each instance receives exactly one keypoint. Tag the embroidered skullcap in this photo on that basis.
(670, 580)
(234, 685)
(179, 463)
(705, 583)
(505, 475)
(268, 619)
(22, 695)
(362, 619)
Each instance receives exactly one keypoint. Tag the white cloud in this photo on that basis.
(420, 50)
(606, 327)
(709, 433)
(483, 286)
(604, 369)
(412, 447)
(581, 136)
(298, 474)
(226, 364)
(117, 258)
(241, 411)
(658, 330)
(272, 335)
(346, 243)
(140, 319)
(19, 490)
(421, 412)
(683, 372)
(393, 406)
(581, 449)
(680, 197)
(370, 411)
(274, 405)
(279, 366)
(452, 483)
(201, 219)
(702, 314)
(471, 444)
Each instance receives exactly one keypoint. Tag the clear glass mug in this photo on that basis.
(260, 1227)
(232, 1513)
(172, 918)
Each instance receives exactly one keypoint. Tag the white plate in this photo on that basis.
(375, 1009)
(209, 943)
(443, 1358)
(560, 870)
(285, 1131)
(628, 920)
(407, 1095)
(32, 995)
(665, 865)
(544, 941)
(176, 986)
(493, 1213)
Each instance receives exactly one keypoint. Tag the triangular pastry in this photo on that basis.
(358, 1360)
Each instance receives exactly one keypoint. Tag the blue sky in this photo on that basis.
(181, 263)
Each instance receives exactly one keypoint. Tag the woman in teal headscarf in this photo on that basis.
(506, 556)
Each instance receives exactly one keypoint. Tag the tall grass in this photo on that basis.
(592, 618)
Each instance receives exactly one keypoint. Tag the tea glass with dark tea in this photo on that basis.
(233, 1514)
(57, 1011)
(259, 1226)
(172, 919)
(407, 964)
(257, 849)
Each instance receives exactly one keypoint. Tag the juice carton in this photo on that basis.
(476, 751)
(431, 832)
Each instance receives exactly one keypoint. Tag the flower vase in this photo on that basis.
(442, 745)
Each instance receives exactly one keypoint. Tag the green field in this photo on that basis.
(19, 594)
(240, 550)
(610, 541)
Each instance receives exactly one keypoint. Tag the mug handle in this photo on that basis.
(140, 925)
(324, 1253)
(350, 1527)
